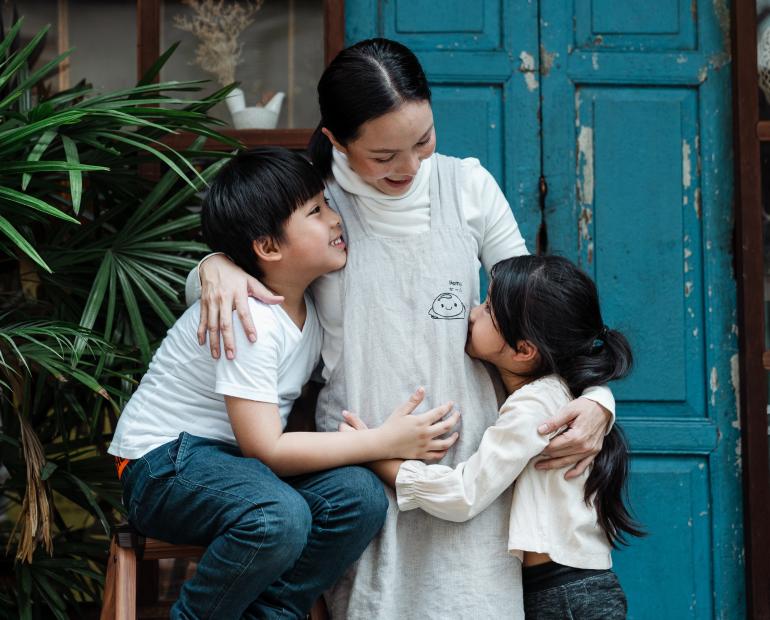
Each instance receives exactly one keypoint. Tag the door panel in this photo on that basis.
(639, 219)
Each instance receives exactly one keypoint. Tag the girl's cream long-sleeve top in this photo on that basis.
(548, 513)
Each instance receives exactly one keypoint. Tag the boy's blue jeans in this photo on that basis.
(273, 545)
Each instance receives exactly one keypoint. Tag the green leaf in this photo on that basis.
(39, 74)
(6, 43)
(25, 590)
(15, 137)
(76, 179)
(160, 307)
(18, 59)
(146, 147)
(20, 242)
(95, 297)
(47, 470)
(34, 203)
(56, 604)
(37, 152)
(153, 72)
(157, 279)
(48, 166)
(134, 314)
(90, 496)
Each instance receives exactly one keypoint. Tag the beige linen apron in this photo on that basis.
(405, 305)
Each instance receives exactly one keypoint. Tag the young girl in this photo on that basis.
(542, 328)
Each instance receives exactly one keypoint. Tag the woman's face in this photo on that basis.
(388, 150)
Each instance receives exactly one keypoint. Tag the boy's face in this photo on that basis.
(313, 243)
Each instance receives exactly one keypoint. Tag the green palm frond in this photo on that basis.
(97, 253)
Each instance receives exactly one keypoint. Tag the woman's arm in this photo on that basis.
(257, 428)
(223, 287)
(587, 424)
(461, 493)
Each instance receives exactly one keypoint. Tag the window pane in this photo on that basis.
(270, 47)
(102, 33)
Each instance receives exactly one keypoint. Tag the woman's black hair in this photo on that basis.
(363, 82)
(252, 197)
(554, 305)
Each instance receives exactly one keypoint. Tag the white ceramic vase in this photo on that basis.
(254, 117)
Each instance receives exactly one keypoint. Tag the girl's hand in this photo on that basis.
(586, 423)
(352, 422)
(224, 287)
(414, 436)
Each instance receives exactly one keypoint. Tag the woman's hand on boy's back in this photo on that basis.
(578, 445)
(224, 287)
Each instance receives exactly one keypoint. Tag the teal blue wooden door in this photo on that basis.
(624, 110)
(636, 152)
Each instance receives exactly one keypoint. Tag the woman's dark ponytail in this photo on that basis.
(551, 303)
(363, 82)
(319, 149)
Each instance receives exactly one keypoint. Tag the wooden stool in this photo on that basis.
(128, 548)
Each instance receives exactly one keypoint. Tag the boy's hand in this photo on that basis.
(586, 423)
(414, 436)
(224, 287)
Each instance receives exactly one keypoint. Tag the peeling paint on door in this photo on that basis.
(686, 165)
(527, 67)
(585, 181)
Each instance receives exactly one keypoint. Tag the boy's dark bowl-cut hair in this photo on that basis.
(252, 197)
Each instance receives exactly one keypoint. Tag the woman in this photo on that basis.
(418, 226)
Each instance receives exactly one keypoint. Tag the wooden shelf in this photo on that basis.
(290, 138)
(148, 50)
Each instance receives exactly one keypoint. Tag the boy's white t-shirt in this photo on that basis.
(184, 387)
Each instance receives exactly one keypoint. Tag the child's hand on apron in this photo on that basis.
(352, 422)
(416, 436)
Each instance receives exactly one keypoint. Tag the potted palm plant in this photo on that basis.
(92, 256)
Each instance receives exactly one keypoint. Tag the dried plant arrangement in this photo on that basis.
(217, 24)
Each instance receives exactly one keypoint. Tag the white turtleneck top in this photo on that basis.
(486, 211)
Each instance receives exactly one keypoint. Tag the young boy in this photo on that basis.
(200, 445)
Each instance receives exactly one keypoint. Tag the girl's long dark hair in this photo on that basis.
(363, 82)
(551, 303)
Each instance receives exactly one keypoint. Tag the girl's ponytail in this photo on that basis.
(609, 358)
(606, 488)
(605, 358)
(320, 151)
